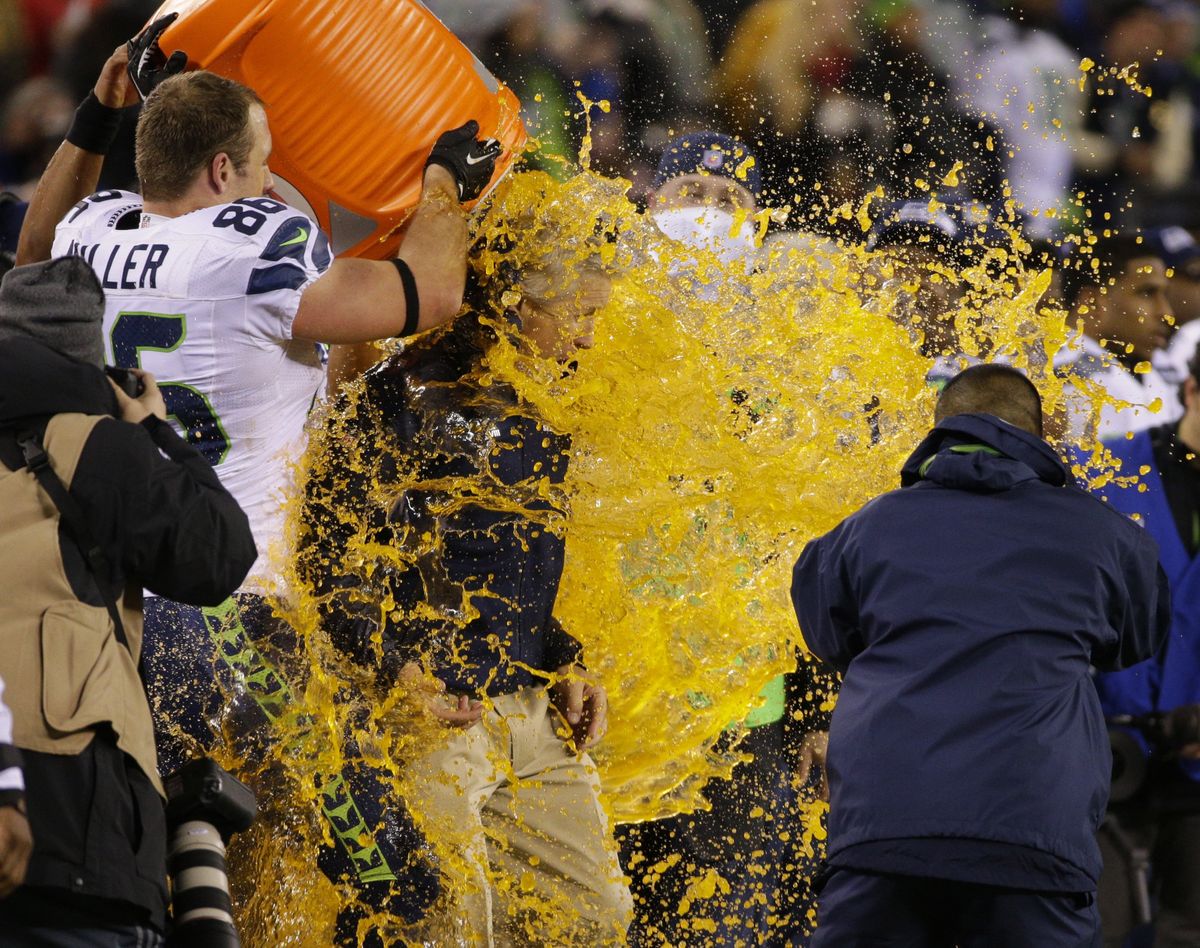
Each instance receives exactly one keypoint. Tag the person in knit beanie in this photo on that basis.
(58, 303)
(99, 499)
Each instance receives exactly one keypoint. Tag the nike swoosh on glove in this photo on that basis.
(472, 161)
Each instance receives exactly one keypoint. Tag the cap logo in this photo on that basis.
(915, 212)
(714, 159)
(1175, 239)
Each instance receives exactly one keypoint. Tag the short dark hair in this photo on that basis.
(993, 389)
(185, 122)
(1100, 264)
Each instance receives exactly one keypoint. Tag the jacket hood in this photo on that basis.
(982, 453)
(36, 381)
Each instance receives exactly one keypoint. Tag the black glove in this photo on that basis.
(469, 159)
(148, 65)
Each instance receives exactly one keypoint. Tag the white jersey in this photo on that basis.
(1173, 361)
(1025, 81)
(205, 302)
(1141, 401)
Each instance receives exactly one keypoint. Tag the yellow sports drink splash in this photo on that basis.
(725, 415)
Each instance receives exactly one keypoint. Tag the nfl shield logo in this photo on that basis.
(714, 159)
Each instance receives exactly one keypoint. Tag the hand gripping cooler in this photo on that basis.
(356, 95)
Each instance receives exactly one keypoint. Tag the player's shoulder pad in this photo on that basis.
(104, 211)
(290, 248)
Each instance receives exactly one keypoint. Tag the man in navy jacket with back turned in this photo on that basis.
(968, 757)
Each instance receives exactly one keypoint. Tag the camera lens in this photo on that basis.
(202, 910)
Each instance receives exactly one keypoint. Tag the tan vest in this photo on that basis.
(64, 670)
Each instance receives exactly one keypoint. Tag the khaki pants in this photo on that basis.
(539, 864)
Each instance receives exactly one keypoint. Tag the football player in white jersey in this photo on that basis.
(1118, 293)
(228, 296)
(225, 294)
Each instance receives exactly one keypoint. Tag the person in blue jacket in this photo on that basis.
(1168, 825)
(968, 760)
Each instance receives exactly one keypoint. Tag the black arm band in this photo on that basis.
(95, 126)
(413, 315)
(9, 757)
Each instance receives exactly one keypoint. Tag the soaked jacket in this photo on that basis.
(964, 610)
(462, 482)
(80, 714)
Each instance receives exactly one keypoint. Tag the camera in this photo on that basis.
(126, 381)
(1166, 732)
(206, 805)
(1145, 781)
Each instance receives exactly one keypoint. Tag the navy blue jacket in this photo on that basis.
(964, 610)
(480, 607)
(1172, 677)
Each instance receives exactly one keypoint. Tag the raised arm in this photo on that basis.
(157, 506)
(74, 170)
(1140, 607)
(363, 300)
(824, 601)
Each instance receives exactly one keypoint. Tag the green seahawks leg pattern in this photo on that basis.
(271, 693)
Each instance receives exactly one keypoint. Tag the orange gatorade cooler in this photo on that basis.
(356, 95)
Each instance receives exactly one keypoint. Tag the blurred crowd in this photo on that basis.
(839, 97)
(1051, 110)
(1058, 98)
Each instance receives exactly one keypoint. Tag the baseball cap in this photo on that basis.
(915, 222)
(710, 153)
(1175, 245)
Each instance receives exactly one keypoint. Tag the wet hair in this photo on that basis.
(534, 246)
(993, 389)
(187, 121)
(1102, 266)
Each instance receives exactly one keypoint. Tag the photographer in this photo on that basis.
(1165, 818)
(100, 498)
